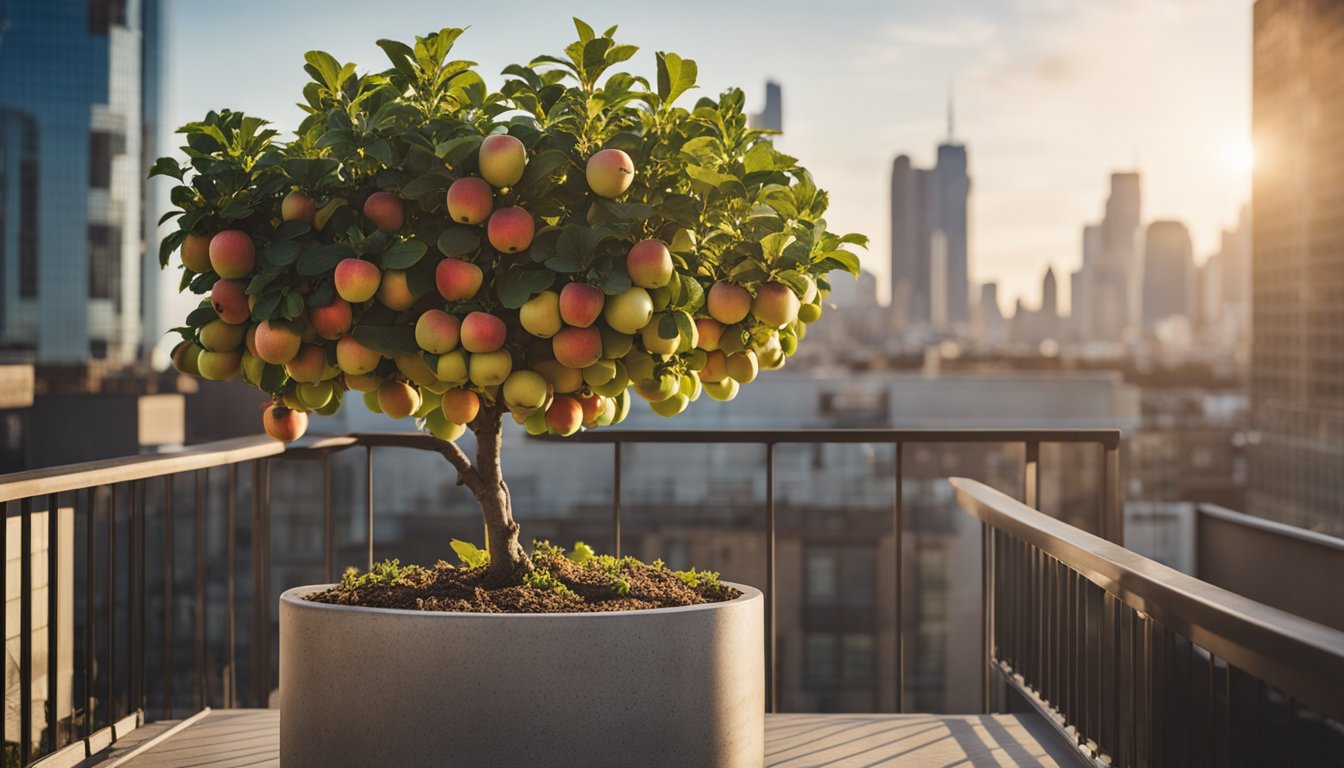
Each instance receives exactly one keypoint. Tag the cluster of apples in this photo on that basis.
(579, 353)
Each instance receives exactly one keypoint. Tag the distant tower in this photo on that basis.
(953, 192)
(1168, 273)
(771, 117)
(1114, 292)
(1049, 295)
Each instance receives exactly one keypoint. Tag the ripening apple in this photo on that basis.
(629, 310)
(398, 399)
(360, 382)
(599, 373)
(229, 298)
(659, 388)
(332, 321)
(385, 210)
(608, 413)
(232, 254)
(616, 344)
(591, 404)
(732, 340)
(502, 160)
(440, 427)
(451, 368)
(314, 395)
(577, 347)
(810, 313)
(284, 423)
(510, 230)
(357, 280)
(742, 366)
(775, 305)
(716, 367)
(710, 331)
(252, 369)
(457, 280)
(482, 332)
(525, 389)
(394, 292)
(540, 315)
(324, 213)
(308, 365)
(219, 336)
(654, 341)
(671, 406)
(722, 391)
(649, 264)
(298, 207)
(185, 356)
(218, 366)
(460, 406)
(616, 385)
(355, 358)
(277, 341)
(414, 367)
(562, 378)
(196, 253)
(437, 331)
(250, 341)
(470, 200)
(728, 303)
(581, 304)
(565, 416)
(690, 386)
(639, 365)
(488, 369)
(609, 173)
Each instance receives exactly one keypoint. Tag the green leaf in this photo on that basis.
(471, 555)
(291, 229)
(692, 293)
(403, 254)
(260, 282)
(431, 183)
(565, 265)
(387, 339)
(201, 315)
(308, 172)
(322, 294)
(459, 241)
(265, 307)
(166, 166)
(511, 291)
(545, 165)
(324, 68)
(281, 254)
(667, 326)
(273, 378)
(323, 258)
(293, 306)
(675, 76)
(841, 260)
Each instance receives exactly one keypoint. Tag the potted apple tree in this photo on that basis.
(547, 252)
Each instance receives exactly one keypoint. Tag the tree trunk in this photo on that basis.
(508, 560)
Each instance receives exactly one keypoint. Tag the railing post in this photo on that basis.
(896, 509)
(1031, 475)
(368, 508)
(328, 532)
(168, 578)
(1113, 496)
(987, 613)
(771, 691)
(53, 619)
(231, 589)
(25, 630)
(616, 500)
(201, 682)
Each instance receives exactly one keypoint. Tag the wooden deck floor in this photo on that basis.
(250, 738)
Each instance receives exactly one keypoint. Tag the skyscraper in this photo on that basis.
(1168, 273)
(1081, 282)
(78, 116)
(1297, 262)
(1116, 290)
(771, 116)
(1049, 294)
(930, 207)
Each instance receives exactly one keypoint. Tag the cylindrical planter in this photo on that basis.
(672, 687)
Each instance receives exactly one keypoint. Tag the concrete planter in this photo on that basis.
(670, 687)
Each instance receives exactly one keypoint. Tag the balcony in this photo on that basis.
(141, 594)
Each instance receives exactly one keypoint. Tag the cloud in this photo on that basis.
(956, 32)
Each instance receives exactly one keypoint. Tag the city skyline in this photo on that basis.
(1051, 97)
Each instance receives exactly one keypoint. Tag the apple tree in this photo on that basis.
(453, 253)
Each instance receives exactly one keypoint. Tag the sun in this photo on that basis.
(1237, 156)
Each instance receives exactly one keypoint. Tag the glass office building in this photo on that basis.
(79, 92)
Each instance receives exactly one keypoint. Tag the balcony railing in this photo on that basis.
(112, 676)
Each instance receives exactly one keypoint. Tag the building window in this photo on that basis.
(821, 576)
(857, 657)
(104, 261)
(819, 658)
(102, 148)
(105, 14)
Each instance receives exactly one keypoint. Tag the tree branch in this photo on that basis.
(466, 473)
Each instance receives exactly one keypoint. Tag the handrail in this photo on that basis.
(1107, 438)
(1300, 657)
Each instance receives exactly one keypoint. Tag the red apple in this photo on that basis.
(308, 365)
(460, 406)
(394, 292)
(610, 172)
(470, 200)
(229, 298)
(232, 254)
(277, 341)
(357, 280)
(577, 347)
(284, 423)
(728, 303)
(565, 415)
(581, 304)
(437, 331)
(510, 229)
(716, 367)
(398, 399)
(196, 253)
(649, 264)
(775, 305)
(385, 210)
(332, 321)
(502, 159)
(355, 358)
(298, 207)
(457, 280)
(710, 331)
(482, 332)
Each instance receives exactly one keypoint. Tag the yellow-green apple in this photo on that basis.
(332, 321)
(308, 365)
(525, 390)
(398, 399)
(654, 341)
(810, 313)
(728, 303)
(394, 292)
(562, 378)
(291, 400)
(232, 254)
(510, 230)
(460, 406)
(277, 341)
(298, 207)
(810, 293)
(252, 369)
(451, 368)
(540, 315)
(185, 355)
(385, 210)
(671, 406)
(360, 382)
(219, 336)
(488, 369)
(722, 390)
(690, 386)
(608, 413)
(371, 401)
(482, 332)
(581, 304)
(413, 366)
(196, 253)
(609, 173)
(742, 366)
(683, 240)
(649, 264)
(440, 427)
(229, 298)
(629, 310)
(616, 344)
(577, 347)
(616, 385)
(565, 415)
(219, 366)
(357, 280)
(716, 367)
(457, 280)
(314, 395)
(355, 358)
(470, 200)
(658, 388)
(437, 331)
(502, 159)
(284, 423)
(775, 305)
(428, 405)
(710, 331)
(731, 340)
(535, 423)
(599, 373)
(638, 365)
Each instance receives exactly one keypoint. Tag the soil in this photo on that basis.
(596, 585)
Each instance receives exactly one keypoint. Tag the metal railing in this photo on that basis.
(1139, 664)
(112, 504)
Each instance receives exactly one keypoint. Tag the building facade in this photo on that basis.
(1168, 273)
(79, 91)
(1297, 356)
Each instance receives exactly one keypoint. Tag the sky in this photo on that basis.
(1051, 96)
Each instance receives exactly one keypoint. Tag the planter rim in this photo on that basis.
(294, 596)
